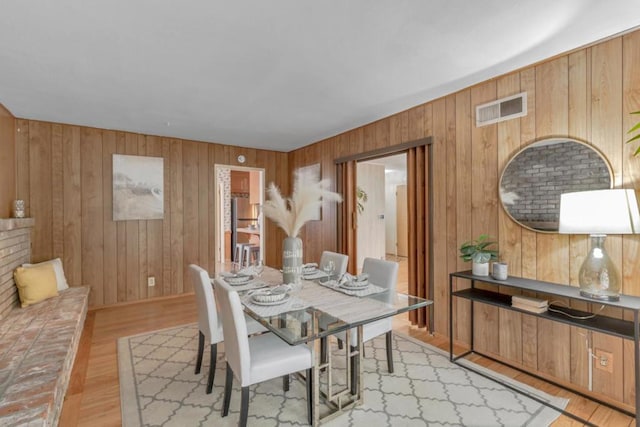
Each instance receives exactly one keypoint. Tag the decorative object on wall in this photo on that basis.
(480, 253)
(361, 199)
(138, 187)
(534, 178)
(292, 213)
(599, 213)
(18, 208)
(312, 172)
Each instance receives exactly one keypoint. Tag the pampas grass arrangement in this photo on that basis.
(292, 213)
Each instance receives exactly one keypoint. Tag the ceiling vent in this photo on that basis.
(502, 109)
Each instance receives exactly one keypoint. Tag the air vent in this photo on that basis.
(502, 109)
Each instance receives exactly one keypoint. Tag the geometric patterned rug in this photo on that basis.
(158, 387)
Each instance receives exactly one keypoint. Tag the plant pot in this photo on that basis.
(292, 260)
(480, 269)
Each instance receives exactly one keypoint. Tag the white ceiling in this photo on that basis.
(277, 74)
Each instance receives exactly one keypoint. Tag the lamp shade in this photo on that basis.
(612, 211)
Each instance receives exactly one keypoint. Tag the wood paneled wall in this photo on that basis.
(7, 162)
(64, 174)
(586, 94)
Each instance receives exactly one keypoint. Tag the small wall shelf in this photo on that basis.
(627, 329)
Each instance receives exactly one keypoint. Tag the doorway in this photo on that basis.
(238, 217)
(419, 167)
(381, 194)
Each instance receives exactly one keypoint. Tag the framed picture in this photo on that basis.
(138, 187)
(314, 170)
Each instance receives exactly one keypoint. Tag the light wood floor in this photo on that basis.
(93, 397)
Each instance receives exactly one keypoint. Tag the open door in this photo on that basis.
(402, 229)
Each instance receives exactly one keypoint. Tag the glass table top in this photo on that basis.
(318, 308)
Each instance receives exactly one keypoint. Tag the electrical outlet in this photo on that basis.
(604, 360)
(151, 281)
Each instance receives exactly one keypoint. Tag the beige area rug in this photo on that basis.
(158, 387)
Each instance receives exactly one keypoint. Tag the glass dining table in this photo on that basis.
(318, 308)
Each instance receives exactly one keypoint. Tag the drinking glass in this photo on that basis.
(329, 268)
(235, 267)
(258, 267)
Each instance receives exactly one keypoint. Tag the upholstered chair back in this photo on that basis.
(236, 342)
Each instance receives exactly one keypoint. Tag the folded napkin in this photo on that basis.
(275, 290)
(357, 292)
(350, 278)
(248, 271)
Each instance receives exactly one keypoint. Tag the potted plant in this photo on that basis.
(636, 137)
(362, 198)
(293, 212)
(479, 251)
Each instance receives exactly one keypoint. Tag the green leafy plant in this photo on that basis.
(636, 137)
(362, 198)
(479, 250)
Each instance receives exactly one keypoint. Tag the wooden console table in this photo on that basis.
(626, 329)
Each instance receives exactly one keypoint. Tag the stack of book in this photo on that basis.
(533, 305)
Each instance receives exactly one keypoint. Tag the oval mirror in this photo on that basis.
(534, 178)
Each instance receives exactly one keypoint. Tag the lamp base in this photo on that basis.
(598, 276)
(599, 296)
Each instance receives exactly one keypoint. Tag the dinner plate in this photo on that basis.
(282, 301)
(238, 280)
(353, 286)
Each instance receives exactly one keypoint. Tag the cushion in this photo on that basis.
(36, 283)
(61, 280)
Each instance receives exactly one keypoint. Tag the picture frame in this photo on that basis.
(314, 170)
(138, 187)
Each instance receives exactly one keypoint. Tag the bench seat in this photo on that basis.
(38, 345)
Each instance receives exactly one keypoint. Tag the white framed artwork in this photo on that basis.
(138, 187)
(315, 172)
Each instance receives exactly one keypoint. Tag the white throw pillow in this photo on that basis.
(61, 280)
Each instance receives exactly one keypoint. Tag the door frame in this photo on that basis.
(219, 252)
(345, 169)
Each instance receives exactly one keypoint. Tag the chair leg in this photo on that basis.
(323, 350)
(285, 382)
(354, 376)
(212, 367)
(310, 395)
(200, 351)
(389, 352)
(244, 407)
(228, 385)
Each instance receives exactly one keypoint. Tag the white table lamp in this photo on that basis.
(598, 213)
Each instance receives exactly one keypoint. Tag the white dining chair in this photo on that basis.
(209, 324)
(340, 264)
(384, 274)
(257, 358)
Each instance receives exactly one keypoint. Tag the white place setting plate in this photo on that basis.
(237, 280)
(355, 285)
(278, 302)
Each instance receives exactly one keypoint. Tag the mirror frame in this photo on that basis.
(549, 139)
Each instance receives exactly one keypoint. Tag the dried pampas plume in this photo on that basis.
(292, 213)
